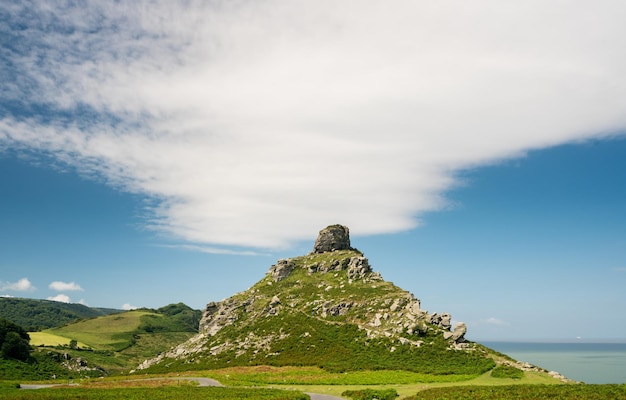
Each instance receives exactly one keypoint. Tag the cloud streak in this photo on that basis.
(254, 124)
(64, 286)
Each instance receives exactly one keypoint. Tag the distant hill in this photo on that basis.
(35, 315)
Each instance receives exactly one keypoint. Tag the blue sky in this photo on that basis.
(148, 160)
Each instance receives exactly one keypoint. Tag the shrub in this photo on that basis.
(507, 371)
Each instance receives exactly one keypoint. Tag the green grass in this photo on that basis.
(266, 375)
(525, 392)
(162, 393)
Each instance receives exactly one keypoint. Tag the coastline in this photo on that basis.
(593, 362)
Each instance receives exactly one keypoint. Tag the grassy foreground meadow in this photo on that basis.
(163, 393)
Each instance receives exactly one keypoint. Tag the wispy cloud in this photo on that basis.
(64, 286)
(60, 298)
(128, 307)
(494, 321)
(23, 285)
(254, 124)
(213, 250)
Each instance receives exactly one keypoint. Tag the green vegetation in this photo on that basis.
(507, 371)
(164, 393)
(35, 315)
(371, 394)
(525, 392)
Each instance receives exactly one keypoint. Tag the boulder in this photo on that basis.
(334, 237)
(458, 335)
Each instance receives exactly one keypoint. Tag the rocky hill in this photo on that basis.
(327, 309)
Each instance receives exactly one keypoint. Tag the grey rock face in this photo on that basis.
(334, 237)
(218, 315)
(281, 269)
(358, 267)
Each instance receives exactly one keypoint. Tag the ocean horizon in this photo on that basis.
(588, 362)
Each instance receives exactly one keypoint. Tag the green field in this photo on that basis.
(50, 340)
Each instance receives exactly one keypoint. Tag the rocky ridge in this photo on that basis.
(334, 286)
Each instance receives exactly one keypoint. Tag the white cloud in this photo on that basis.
(494, 321)
(23, 285)
(6, 295)
(128, 307)
(255, 124)
(64, 286)
(83, 302)
(60, 298)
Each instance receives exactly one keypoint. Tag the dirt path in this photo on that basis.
(315, 396)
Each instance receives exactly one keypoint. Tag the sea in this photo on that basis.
(584, 362)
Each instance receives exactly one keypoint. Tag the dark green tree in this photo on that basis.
(14, 341)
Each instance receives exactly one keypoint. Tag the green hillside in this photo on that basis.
(120, 341)
(35, 315)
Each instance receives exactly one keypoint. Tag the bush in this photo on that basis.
(507, 371)
(370, 394)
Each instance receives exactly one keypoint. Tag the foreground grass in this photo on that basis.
(268, 375)
(525, 392)
(163, 393)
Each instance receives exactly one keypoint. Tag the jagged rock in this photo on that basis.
(358, 267)
(414, 307)
(334, 237)
(443, 320)
(218, 315)
(275, 301)
(281, 269)
(458, 334)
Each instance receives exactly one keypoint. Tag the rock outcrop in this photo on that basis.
(281, 269)
(334, 237)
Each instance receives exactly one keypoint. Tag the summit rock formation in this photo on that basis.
(331, 309)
